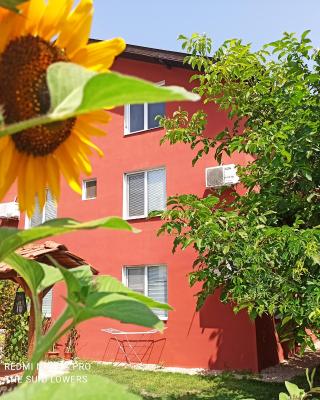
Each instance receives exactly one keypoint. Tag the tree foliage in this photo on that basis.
(16, 326)
(261, 248)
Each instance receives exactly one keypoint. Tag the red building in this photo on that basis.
(136, 176)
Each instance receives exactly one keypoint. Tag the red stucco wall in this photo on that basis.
(213, 338)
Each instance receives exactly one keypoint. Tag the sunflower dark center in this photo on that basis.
(24, 93)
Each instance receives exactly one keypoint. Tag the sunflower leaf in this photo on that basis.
(87, 91)
(11, 5)
(107, 297)
(74, 90)
(77, 386)
(12, 239)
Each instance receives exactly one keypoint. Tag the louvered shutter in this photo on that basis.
(156, 190)
(135, 194)
(47, 304)
(135, 279)
(37, 216)
(50, 208)
(158, 287)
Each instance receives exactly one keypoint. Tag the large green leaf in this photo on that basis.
(119, 307)
(76, 387)
(75, 90)
(30, 270)
(12, 239)
(107, 297)
(109, 284)
(54, 275)
(40, 276)
(12, 4)
(79, 285)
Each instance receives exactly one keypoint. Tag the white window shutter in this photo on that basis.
(135, 187)
(36, 218)
(50, 209)
(135, 279)
(47, 305)
(158, 287)
(157, 190)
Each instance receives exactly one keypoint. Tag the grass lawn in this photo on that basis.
(172, 386)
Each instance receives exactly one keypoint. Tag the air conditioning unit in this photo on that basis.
(224, 175)
(9, 210)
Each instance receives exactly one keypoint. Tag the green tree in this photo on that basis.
(15, 326)
(261, 248)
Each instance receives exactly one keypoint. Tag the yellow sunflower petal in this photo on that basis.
(4, 142)
(75, 32)
(30, 187)
(96, 117)
(11, 172)
(68, 168)
(10, 27)
(33, 16)
(23, 188)
(99, 56)
(85, 127)
(53, 176)
(6, 29)
(54, 17)
(40, 179)
(6, 160)
(83, 164)
(3, 14)
(84, 139)
(80, 156)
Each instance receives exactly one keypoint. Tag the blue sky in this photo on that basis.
(158, 23)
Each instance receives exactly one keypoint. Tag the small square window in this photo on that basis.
(89, 189)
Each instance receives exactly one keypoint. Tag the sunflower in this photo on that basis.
(42, 34)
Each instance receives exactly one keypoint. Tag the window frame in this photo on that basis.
(126, 192)
(84, 181)
(145, 267)
(145, 112)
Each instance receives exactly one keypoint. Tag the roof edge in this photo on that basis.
(167, 58)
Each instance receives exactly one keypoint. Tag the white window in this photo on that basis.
(150, 280)
(141, 117)
(48, 212)
(144, 191)
(47, 304)
(89, 189)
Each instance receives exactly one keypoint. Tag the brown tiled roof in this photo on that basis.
(152, 55)
(157, 56)
(40, 251)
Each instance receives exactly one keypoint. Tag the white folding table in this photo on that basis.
(133, 345)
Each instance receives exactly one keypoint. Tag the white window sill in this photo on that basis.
(91, 198)
(140, 217)
(142, 131)
(133, 218)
